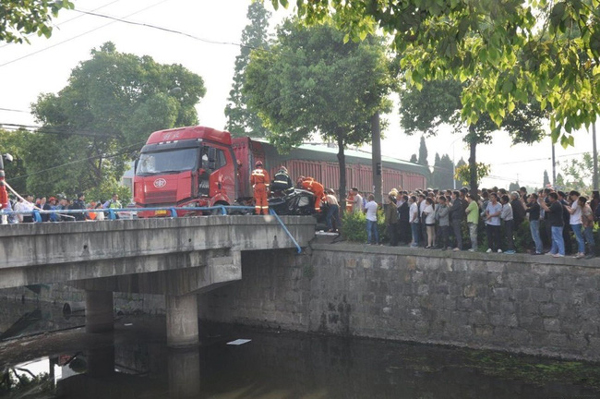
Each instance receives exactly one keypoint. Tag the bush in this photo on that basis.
(354, 227)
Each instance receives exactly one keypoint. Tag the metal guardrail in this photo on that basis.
(112, 213)
(272, 212)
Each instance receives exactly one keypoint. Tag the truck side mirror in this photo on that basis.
(135, 166)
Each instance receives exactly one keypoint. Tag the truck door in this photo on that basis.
(218, 163)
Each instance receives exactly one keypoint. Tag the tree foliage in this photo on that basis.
(461, 164)
(463, 172)
(422, 152)
(576, 174)
(508, 52)
(94, 125)
(240, 120)
(439, 102)
(19, 18)
(546, 178)
(14, 143)
(312, 83)
(442, 175)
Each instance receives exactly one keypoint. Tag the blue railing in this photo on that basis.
(112, 213)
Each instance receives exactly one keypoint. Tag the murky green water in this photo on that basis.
(135, 363)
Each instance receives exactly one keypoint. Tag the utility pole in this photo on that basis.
(553, 167)
(595, 155)
(376, 158)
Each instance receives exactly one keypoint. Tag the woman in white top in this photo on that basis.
(429, 214)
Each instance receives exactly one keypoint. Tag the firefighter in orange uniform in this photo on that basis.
(260, 183)
(310, 184)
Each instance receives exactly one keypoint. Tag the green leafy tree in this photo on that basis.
(576, 174)
(514, 186)
(240, 120)
(13, 143)
(422, 152)
(442, 172)
(434, 175)
(511, 51)
(439, 102)
(546, 178)
(413, 158)
(22, 17)
(461, 164)
(463, 173)
(311, 82)
(560, 182)
(103, 116)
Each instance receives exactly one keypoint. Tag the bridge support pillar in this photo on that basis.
(99, 311)
(182, 320)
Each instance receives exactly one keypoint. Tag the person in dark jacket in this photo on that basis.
(282, 181)
(391, 219)
(518, 209)
(566, 232)
(404, 232)
(457, 214)
(78, 204)
(533, 208)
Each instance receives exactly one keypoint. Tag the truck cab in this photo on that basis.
(185, 167)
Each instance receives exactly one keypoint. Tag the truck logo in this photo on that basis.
(160, 183)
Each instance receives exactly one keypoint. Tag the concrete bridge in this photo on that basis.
(177, 257)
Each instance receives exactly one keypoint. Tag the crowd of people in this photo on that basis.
(442, 218)
(559, 223)
(53, 209)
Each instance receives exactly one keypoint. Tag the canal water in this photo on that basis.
(234, 362)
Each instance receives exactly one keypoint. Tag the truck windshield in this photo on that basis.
(174, 161)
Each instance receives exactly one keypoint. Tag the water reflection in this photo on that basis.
(135, 363)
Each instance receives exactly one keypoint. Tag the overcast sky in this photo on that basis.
(44, 66)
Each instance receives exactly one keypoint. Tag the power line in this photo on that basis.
(14, 110)
(64, 22)
(103, 156)
(541, 159)
(50, 130)
(151, 26)
(77, 36)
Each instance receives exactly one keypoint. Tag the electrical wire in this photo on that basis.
(64, 22)
(151, 26)
(104, 156)
(14, 110)
(46, 130)
(78, 36)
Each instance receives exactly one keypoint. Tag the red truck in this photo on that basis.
(198, 166)
(193, 167)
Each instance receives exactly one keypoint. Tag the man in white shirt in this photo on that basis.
(27, 206)
(413, 219)
(576, 223)
(357, 201)
(371, 212)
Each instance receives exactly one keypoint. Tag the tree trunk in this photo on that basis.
(473, 163)
(376, 158)
(342, 162)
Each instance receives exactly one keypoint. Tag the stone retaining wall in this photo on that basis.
(518, 303)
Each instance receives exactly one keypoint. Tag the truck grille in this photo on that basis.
(161, 197)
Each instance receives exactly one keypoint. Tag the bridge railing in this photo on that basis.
(113, 212)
